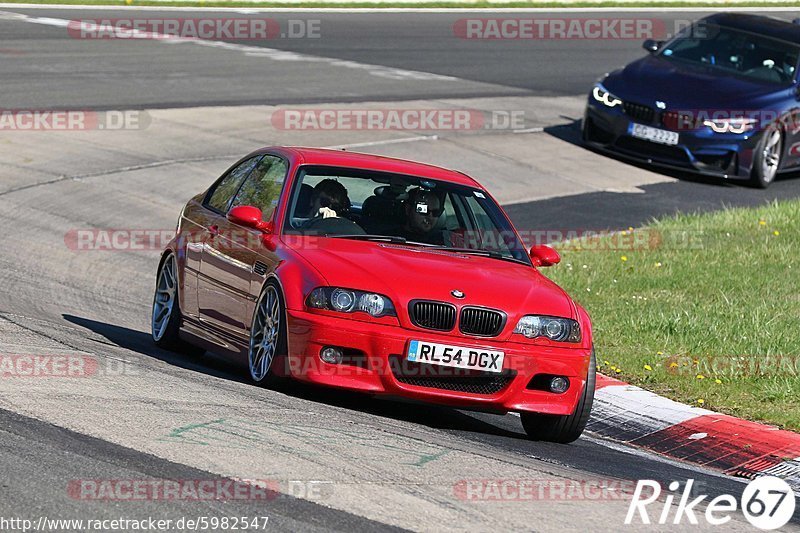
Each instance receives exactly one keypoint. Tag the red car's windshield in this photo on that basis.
(336, 202)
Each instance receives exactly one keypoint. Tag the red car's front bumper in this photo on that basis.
(379, 353)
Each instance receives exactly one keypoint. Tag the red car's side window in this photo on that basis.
(221, 195)
(263, 186)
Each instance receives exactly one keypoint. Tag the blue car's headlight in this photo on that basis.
(554, 328)
(731, 125)
(350, 301)
(600, 94)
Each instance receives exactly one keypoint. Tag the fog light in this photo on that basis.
(331, 355)
(559, 385)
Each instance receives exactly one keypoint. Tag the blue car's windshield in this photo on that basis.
(370, 205)
(752, 56)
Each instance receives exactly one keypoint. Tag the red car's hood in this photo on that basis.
(405, 273)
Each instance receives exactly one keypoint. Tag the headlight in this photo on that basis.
(731, 125)
(604, 97)
(555, 329)
(350, 301)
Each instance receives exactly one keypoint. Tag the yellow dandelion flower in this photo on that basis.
(658, 264)
(776, 233)
(606, 363)
(618, 370)
(673, 365)
(700, 376)
(701, 401)
(659, 353)
(624, 258)
(648, 368)
(762, 222)
(718, 381)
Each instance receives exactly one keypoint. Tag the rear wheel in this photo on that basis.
(166, 319)
(767, 157)
(267, 337)
(563, 428)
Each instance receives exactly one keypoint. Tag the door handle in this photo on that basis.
(213, 230)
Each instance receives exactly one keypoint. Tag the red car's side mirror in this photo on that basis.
(250, 217)
(544, 255)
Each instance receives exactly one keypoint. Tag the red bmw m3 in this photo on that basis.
(378, 275)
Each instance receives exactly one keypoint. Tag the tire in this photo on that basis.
(166, 318)
(767, 157)
(585, 130)
(563, 428)
(268, 347)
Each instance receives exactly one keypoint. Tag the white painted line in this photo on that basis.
(628, 402)
(251, 51)
(387, 141)
(565, 8)
(529, 130)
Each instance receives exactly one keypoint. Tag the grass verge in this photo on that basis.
(719, 5)
(702, 308)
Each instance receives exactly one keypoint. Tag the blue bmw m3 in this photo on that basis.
(721, 98)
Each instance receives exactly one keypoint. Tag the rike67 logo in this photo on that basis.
(767, 503)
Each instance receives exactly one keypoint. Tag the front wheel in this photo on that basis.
(267, 337)
(563, 428)
(767, 158)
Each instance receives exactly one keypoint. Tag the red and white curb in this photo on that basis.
(640, 418)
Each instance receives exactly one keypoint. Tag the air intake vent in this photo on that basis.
(432, 315)
(260, 268)
(480, 321)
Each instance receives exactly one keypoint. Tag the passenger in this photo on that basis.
(423, 208)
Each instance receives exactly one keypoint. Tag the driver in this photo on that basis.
(328, 200)
(329, 207)
(422, 211)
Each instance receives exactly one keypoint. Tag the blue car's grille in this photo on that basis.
(639, 112)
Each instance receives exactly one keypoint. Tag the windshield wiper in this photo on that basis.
(473, 251)
(394, 239)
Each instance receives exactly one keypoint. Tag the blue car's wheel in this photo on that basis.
(767, 157)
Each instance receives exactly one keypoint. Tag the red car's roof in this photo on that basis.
(343, 158)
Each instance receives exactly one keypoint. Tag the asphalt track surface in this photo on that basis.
(123, 426)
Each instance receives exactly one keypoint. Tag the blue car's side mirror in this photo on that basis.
(651, 45)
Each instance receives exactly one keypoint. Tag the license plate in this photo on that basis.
(456, 356)
(655, 135)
